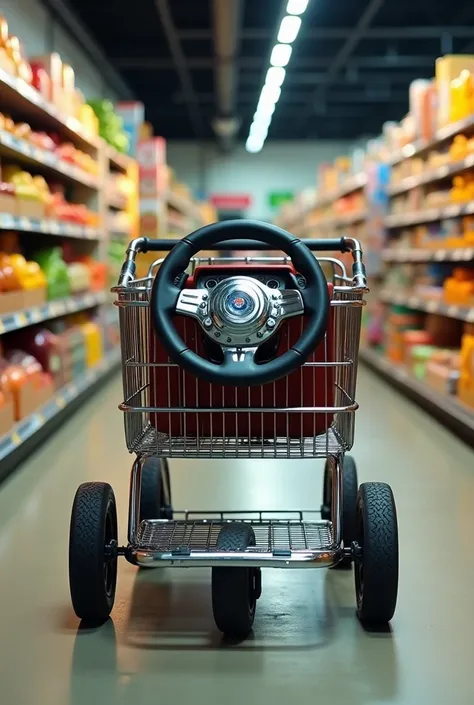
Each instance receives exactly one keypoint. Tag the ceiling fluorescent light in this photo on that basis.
(289, 28)
(275, 76)
(296, 7)
(260, 125)
(280, 55)
(253, 145)
(270, 94)
(259, 132)
(264, 110)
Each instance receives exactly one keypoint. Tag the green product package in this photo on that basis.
(421, 354)
(56, 272)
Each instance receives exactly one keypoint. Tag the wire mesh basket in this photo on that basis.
(307, 414)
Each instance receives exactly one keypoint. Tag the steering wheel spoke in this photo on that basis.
(193, 303)
(291, 303)
(244, 357)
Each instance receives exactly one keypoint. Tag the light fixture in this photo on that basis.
(260, 124)
(280, 55)
(264, 110)
(275, 76)
(270, 94)
(289, 28)
(253, 144)
(296, 7)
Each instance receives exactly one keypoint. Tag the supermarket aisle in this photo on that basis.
(307, 644)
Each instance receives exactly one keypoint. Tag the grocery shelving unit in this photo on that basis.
(455, 254)
(26, 435)
(52, 309)
(306, 217)
(398, 251)
(418, 303)
(24, 104)
(446, 408)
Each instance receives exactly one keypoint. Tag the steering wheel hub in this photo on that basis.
(239, 307)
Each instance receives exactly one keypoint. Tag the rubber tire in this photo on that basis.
(94, 514)
(235, 590)
(376, 566)
(349, 501)
(154, 487)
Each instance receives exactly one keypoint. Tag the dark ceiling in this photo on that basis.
(350, 70)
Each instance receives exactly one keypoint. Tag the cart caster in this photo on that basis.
(235, 591)
(349, 500)
(93, 552)
(376, 554)
(155, 490)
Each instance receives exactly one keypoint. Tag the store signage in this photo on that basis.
(231, 201)
(277, 199)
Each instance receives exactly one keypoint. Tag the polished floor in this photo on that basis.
(307, 645)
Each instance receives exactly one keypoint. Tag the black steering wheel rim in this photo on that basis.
(165, 293)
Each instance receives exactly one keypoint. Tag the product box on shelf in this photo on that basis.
(34, 297)
(32, 395)
(152, 169)
(7, 414)
(153, 183)
(52, 65)
(448, 69)
(8, 202)
(11, 301)
(466, 365)
(442, 371)
(133, 115)
(31, 208)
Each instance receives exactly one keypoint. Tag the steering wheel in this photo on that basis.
(240, 313)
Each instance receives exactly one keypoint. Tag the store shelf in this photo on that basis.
(48, 227)
(401, 220)
(26, 434)
(52, 309)
(183, 205)
(352, 184)
(455, 254)
(120, 162)
(334, 223)
(465, 126)
(431, 176)
(23, 151)
(462, 313)
(451, 412)
(117, 201)
(26, 101)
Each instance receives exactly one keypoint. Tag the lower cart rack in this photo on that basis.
(278, 542)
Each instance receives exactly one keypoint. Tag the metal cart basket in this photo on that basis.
(170, 412)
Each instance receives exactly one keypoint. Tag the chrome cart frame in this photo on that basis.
(288, 539)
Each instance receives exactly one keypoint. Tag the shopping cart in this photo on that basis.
(239, 357)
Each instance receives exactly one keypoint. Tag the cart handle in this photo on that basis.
(340, 244)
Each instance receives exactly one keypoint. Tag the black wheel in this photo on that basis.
(235, 591)
(155, 490)
(93, 551)
(349, 500)
(376, 554)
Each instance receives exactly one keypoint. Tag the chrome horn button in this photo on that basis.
(239, 307)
